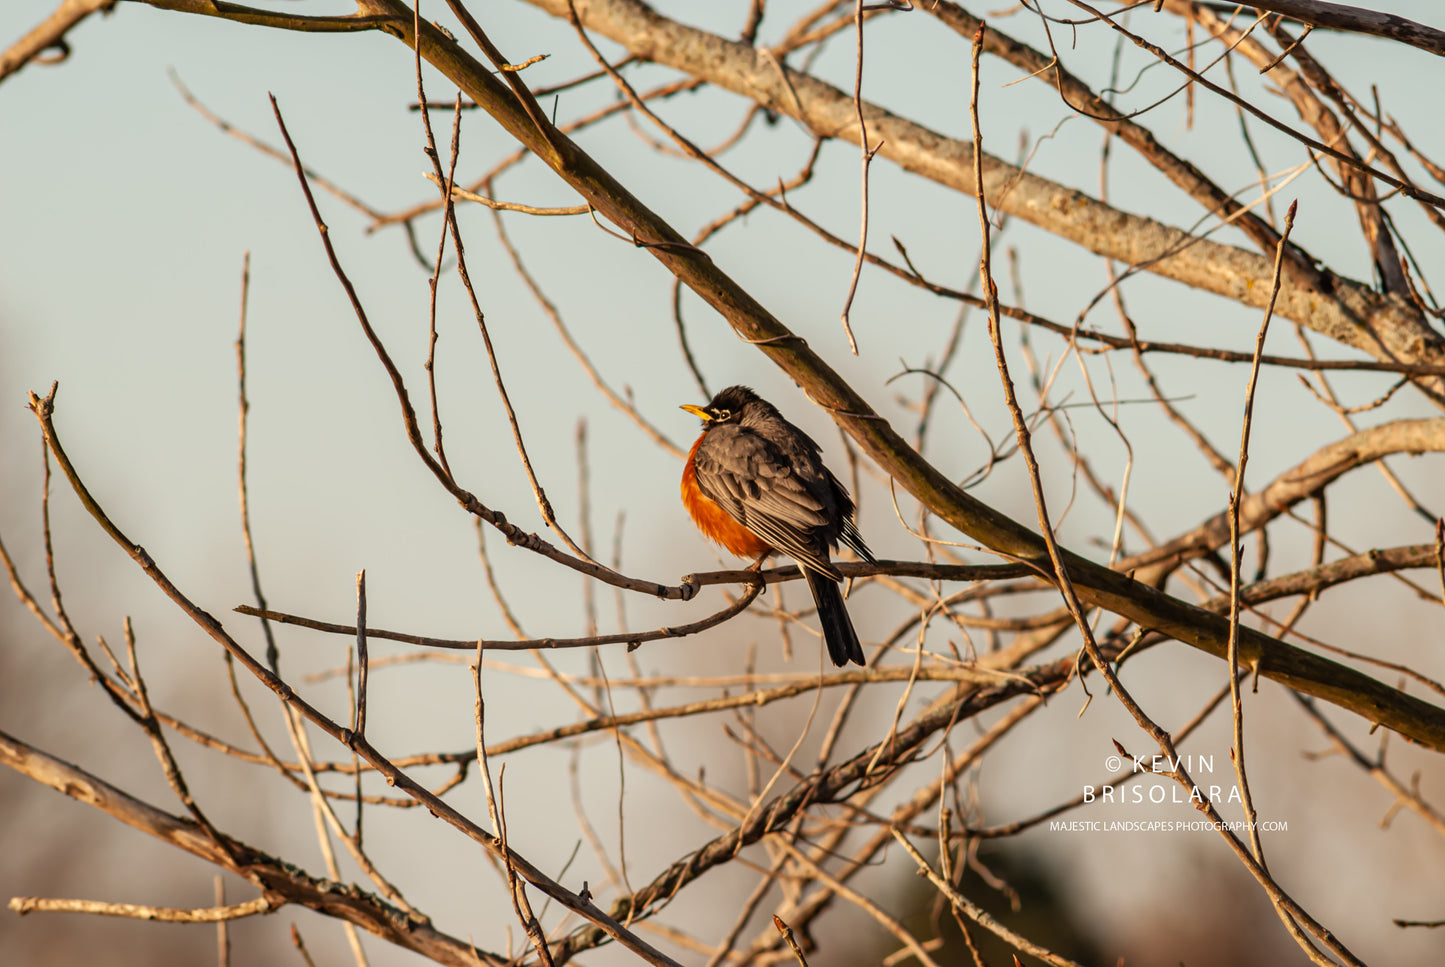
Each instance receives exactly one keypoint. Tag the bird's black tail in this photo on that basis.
(838, 632)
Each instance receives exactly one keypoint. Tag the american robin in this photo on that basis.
(755, 484)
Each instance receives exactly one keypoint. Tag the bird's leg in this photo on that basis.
(757, 566)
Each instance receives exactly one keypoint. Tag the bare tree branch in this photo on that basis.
(281, 882)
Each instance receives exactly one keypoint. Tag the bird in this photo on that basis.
(755, 483)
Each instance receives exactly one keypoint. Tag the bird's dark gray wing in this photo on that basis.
(750, 478)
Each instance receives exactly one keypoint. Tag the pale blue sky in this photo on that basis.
(125, 218)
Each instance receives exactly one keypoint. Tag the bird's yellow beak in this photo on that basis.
(697, 411)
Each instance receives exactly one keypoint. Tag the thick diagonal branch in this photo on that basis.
(1097, 586)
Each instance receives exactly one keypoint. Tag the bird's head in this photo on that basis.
(728, 406)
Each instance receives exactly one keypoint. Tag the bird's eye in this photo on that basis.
(723, 415)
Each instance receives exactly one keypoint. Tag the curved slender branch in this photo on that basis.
(281, 881)
(49, 34)
(1316, 579)
(755, 580)
(630, 638)
(31, 904)
(347, 23)
(1338, 16)
(1308, 477)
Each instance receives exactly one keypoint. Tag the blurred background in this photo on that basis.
(126, 218)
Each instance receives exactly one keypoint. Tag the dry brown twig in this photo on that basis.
(799, 816)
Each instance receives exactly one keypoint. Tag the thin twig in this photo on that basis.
(29, 904)
(1236, 550)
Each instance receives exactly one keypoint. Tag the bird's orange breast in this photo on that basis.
(715, 523)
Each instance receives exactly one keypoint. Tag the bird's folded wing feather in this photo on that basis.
(749, 478)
